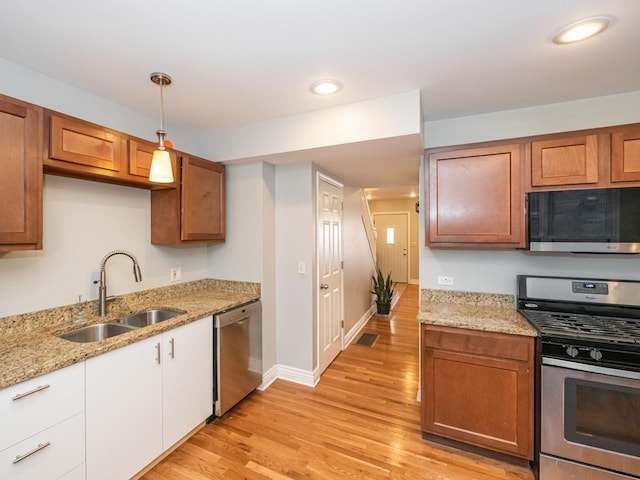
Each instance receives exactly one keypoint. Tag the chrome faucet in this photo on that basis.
(102, 283)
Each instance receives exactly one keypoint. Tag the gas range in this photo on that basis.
(592, 321)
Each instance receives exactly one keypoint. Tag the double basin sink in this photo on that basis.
(102, 331)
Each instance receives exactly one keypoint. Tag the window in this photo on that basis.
(391, 235)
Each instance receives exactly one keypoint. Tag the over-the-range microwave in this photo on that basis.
(587, 221)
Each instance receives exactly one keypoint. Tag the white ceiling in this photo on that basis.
(244, 61)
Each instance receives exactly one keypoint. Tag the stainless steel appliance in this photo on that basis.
(590, 375)
(237, 354)
(593, 221)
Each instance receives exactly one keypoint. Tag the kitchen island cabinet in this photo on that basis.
(21, 179)
(478, 388)
(193, 213)
(475, 197)
(145, 397)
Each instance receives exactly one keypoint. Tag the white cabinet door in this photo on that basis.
(188, 378)
(124, 410)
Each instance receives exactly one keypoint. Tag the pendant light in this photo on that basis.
(161, 171)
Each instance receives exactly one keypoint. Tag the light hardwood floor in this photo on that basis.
(361, 421)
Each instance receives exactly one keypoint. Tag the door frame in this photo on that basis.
(323, 177)
(408, 215)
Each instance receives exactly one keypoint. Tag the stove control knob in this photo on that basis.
(572, 351)
(595, 354)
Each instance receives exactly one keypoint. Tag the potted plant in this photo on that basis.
(383, 288)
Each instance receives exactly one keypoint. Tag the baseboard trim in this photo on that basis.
(360, 324)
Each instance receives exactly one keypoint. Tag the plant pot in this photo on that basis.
(383, 308)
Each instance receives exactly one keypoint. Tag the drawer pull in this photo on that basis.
(40, 446)
(35, 390)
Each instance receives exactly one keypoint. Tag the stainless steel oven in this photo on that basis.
(590, 421)
(590, 376)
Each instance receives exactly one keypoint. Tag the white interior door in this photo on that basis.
(392, 244)
(330, 296)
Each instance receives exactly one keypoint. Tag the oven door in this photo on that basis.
(591, 415)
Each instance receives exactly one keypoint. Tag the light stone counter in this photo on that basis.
(29, 346)
(475, 311)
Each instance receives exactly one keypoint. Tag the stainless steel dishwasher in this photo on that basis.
(237, 354)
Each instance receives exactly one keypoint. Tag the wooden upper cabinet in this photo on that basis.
(565, 161)
(625, 154)
(84, 150)
(476, 197)
(139, 160)
(193, 213)
(21, 178)
(75, 145)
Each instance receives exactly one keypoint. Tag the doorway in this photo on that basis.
(330, 281)
(392, 246)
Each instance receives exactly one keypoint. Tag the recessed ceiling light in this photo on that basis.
(326, 87)
(581, 30)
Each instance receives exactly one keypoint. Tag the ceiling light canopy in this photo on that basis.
(161, 171)
(326, 87)
(581, 30)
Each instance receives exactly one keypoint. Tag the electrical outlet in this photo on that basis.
(445, 280)
(175, 274)
(302, 268)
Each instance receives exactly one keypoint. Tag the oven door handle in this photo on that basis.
(587, 367)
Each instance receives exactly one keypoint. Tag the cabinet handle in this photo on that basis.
(30, 392)
(172, 352)
(158, 353)
(324, 286)
(40, 446)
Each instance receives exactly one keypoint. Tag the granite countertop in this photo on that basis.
(474, 311)
(29, 346)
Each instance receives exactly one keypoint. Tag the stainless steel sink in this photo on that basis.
(149, 317)
(95, 333)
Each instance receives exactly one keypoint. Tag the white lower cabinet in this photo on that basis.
(187, 379)
(46, 455)
(144, 397)
(42, 426)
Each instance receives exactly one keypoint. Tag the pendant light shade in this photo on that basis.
(161, 170)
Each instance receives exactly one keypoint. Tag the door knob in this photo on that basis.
(324, 286)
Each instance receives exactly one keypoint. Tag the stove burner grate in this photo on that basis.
(609, 329)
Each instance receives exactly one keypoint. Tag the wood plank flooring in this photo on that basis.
(362, 421)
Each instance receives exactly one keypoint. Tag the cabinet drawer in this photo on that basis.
(32, 406)
(46, 455)
(500, 345)
(79, 144)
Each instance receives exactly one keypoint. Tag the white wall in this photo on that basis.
(83, 221)
(495, 271)
(387, 117)
(358, 260)
(249, 251)
(295, 242)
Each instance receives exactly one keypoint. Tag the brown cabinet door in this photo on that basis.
(193, 213)
(21, 177)
(80, 146)
(475, 197)
(625, 154)
(474, 394)
(140, 154)
(203, 200)
(564, 161)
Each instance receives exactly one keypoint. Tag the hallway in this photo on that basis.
(362, 421)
